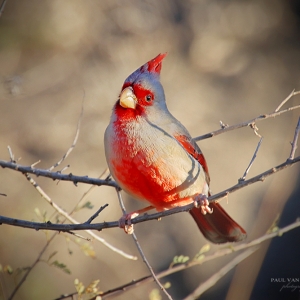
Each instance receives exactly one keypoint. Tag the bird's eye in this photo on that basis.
(148, 98)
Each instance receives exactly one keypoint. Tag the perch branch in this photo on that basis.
(146, 217)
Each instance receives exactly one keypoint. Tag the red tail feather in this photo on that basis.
(218, 227)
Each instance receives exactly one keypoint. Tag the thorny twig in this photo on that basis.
(57, 175)
(146, 217)
(96, 214)
(252, 122)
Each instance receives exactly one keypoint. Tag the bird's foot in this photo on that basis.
(200, 201)
(125, 222)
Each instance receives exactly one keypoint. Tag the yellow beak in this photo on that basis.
(128, 98)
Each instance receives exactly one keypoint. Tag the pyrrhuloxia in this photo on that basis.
(152, 156)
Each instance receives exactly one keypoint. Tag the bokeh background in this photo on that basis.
(227, 60)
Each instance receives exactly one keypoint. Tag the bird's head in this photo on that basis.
(142, 91)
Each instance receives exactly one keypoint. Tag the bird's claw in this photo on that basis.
(201, 201)
(125, 222)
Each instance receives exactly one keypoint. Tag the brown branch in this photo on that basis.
(56, 175)
(96, 214)
(251, 123)
(252, 160)
(145, 217)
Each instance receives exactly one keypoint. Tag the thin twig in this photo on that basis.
(252, 160)
(2, 7)
(293, 93)
(295, 141)
(75, 138)
(11, 155)
(140, 249)
(250, 122)
(204, 286)
(96, 214)
(34, 164)
(78, 235)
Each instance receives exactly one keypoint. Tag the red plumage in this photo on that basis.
(152, 156)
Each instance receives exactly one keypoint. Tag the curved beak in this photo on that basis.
(128, 98)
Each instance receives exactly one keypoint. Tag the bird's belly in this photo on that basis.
(159, 179)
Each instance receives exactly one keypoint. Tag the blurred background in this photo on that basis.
(227, 60)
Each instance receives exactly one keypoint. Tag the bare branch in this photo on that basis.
(96, 214)
(293, 93)
(252, 160)
(145, 217)
(56, 175)
(250, 122)
(95, 181)
(11, 155)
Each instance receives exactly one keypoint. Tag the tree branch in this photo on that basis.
(145, 217)
(56, 175)
(251, 123)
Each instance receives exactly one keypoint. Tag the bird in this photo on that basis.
(153, 158)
